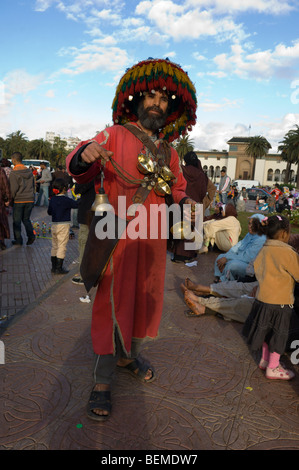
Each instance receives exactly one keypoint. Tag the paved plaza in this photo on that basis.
(209, 393)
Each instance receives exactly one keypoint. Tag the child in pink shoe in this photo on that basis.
(276, 269)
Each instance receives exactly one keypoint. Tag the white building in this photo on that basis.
(268, 170)
(71, 142)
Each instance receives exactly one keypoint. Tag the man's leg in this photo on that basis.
(46, 195)
(26, 220)
(17, 223)
(231, 309)
(40, 195)
(105, 367)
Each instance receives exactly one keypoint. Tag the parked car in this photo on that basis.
(253, 193)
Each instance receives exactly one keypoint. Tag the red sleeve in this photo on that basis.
(90, 173)
(179, 186)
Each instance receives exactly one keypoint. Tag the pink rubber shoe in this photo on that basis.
(279, 373)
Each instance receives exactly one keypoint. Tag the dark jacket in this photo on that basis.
(60, 208)
(87, 192)
(22, 185)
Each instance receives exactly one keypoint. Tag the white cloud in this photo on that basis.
(209, 106)
(215, 134)
(50, 94)
(181, 22)
(20, 82)
(280, 62)
(92, 57)
(236, 6)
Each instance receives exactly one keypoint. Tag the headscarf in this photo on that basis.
(197, 180)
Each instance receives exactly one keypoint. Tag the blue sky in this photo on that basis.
(61, 61)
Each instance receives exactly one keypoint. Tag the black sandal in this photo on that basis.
(99, 400)
(139, 369)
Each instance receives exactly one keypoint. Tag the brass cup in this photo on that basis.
(182, 230)
(166, 173)
(145, 164)
(161, 188)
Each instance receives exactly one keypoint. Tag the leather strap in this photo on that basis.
(163, 158)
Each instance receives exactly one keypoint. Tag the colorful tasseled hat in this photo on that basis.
(157, 74)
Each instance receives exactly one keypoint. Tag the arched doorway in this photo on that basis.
(245, 170)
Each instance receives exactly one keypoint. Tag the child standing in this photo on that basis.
(276, 269)
(60, 209)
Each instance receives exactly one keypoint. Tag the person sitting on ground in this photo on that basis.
(232, 265)
(223, 232)
(232, 301)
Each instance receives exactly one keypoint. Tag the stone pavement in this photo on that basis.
(209, 393)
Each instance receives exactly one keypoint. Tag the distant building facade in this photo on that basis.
(71, 142)
(268, 170)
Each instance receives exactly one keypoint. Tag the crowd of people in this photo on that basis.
(22, 188)
(255, 277)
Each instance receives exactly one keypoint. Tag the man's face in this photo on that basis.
(152, 111)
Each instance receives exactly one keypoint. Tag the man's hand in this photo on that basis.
(94, 152)
(194, 210)
(221, 263)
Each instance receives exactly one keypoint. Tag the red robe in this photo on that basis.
(130, 295)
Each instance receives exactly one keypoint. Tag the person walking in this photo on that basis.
(22, 189)
(87, 196)
(276, 269)
(60, 209)
(224, 186)
(154, 103)
(44, 181)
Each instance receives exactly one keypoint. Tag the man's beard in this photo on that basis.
(148, 121)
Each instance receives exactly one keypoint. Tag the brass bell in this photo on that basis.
(166, 173)
(101, 203)
(161, 188)
(145, 164)
(182, 230)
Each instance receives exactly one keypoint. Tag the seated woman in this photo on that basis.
(199, 188)
(232, 265)
(224, 231)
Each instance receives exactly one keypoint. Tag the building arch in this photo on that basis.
(277, 176)
(245, 169)
(270, 175)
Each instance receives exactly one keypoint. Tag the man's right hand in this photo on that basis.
(94, 152)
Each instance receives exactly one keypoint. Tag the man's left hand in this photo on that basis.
(194, 209)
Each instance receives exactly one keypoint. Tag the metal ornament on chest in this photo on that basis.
(158, 174)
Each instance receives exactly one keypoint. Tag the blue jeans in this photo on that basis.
(223, 198)
(233, 269)
(22, 213)
(43, 190)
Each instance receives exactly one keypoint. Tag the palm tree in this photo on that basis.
(288, 154)
(291, 140)
(16, 142)
(59, 152)
(257, 147)
(184, 145)
(40, 149)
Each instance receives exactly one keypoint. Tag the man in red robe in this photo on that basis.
(158, 98)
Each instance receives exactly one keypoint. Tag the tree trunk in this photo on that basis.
(287, 174)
